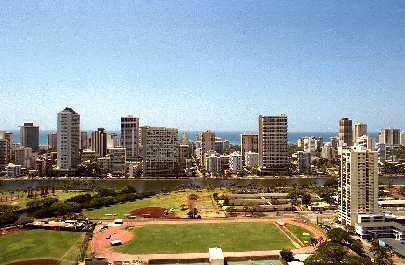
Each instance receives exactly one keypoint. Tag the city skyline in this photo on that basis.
(196, 65)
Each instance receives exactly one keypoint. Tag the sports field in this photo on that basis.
(40, 244)
(303, 235)
(174, 200)
(197, 238)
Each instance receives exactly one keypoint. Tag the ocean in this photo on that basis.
(232, 136)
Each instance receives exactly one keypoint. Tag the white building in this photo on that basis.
(212, 161)
(358, 184)
(328, 152)
(366, 142)
(251, 159)
(13, 171)
(68, 140)
(130, 137)
(235, 162)
(160, 151)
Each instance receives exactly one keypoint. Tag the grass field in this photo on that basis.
(173, 200)
(302, 234)
(19, 198)
(197, 238)
(40, 244)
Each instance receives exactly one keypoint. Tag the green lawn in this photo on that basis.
(21, 202)
(40, 244)
(190, 238)
(302, 234)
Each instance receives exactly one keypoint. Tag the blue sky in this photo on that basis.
(203, 64)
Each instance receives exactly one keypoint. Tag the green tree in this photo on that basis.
(287, 255)
(338, 235)
(306, 199)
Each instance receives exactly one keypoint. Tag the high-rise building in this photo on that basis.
(273, 145)
(304, 162)
(52, 141)
(358, 188)
(328, 152)
(249, 142)
(235, 162)
(8, 136)
(366, 142)
(359, 130)
(3, 154)
(390, 137)
(23, 157)
(345, 132)
(160, 151)
(68, 140)
(99, 141)
(84, 140)
(184, 157)
(206, 142)
(29, 135)
(130, 137)
(403, 138)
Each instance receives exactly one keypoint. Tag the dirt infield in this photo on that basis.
(153, 212)
(36, 262)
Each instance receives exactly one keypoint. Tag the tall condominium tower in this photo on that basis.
(130, 137)
(403, 138)
(359, 130)
(99, 141)
(29, 135)
(206, 142)
(160, 151)
(84, 140)
(249, 142)
(345, 132)
(273, 145)
(358, 184)
(8, 137)
(52, 141)
(68, 140)
(390, 137)
(3, 154)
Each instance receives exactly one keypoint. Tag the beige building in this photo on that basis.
(251, 159)
(403, 138)
(52, 141)
(24, 157)
(68, 140)
(99, 141)
(249, 142)
(358, 190)
(84, 140)
(206, 142)
(345, 132)
(389, 137)
(273, 145)
(184, 157)
(359, 130)
(160, 151)
(366, 142)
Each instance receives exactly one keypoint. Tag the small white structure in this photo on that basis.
(116, 242)
(216, 256)
(118, 222)
(13, 171)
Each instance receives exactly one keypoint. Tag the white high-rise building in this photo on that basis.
(235, 162)
(160, 151)
(130, 137)
(68, 140)
(359, 130)
(273, 145)
(358, 190)
(389, 137)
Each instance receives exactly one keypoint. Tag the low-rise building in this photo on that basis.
(13, 170)
(251, 159)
